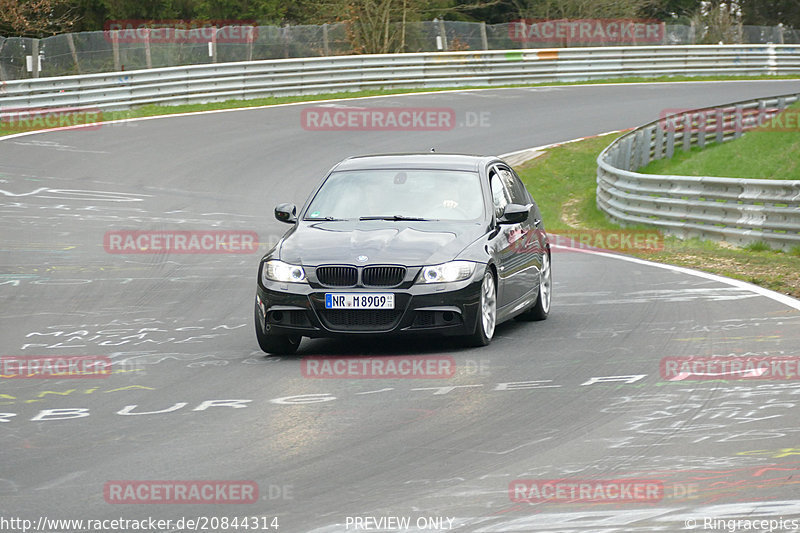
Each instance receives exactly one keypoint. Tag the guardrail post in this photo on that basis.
(645, 147)
(720, 125)
(739, 122)
(701, 131)
(687, 132)
(658, 145)
(670, 142)
(772, 63)
(626, 153)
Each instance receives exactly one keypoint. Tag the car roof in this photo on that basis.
(410, 161)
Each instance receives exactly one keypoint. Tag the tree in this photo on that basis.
(579, 9)
(672, 11)
(263, 11)
(718, 23)
(771, 12)
(35, 18)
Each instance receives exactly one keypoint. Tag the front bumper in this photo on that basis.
(431, 309)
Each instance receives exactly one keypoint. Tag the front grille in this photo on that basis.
(337, 276)
(360, 319)
(383, 276)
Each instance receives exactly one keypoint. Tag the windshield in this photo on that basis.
(395, 195)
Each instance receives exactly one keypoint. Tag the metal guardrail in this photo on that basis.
(740, 211)
(283, 77)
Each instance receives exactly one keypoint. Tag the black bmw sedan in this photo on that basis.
(405, 244)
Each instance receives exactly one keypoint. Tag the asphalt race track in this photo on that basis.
(579, 396)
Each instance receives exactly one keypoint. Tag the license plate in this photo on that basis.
(359, 300)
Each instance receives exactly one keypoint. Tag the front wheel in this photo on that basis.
(487, 312)
(541, 308)
(275, 344)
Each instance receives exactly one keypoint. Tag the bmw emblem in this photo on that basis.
(362, 258)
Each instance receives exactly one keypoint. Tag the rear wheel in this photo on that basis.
(487, 312)
(275, 344)
(541, 308)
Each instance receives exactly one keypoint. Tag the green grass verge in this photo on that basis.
(158, 110)
(563, 181)
(764, 153)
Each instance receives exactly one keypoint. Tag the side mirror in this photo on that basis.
(514, 214)
(286, 213)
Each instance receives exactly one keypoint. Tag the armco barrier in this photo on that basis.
(282, 77)
(741, 211)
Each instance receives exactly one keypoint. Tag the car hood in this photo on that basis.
(384, 242)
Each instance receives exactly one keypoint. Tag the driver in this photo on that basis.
(461, 199)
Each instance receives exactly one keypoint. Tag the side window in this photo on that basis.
(515, 188)
(500, 196)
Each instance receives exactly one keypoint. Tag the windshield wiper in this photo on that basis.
(393, 217)
(324, 219)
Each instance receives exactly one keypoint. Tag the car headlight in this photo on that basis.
(446, 272)
(279, 271)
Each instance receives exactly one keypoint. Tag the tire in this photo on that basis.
(275, 344)
(487, 312)
(541, 307)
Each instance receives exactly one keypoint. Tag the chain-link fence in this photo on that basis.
(111, 51)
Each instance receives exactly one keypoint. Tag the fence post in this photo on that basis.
(73, 52)
(115, 50)
(212, 46)
(251, 37)
(484, 39)
(147, 57)
(325, 47)
(443, 34)
(34, 58)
